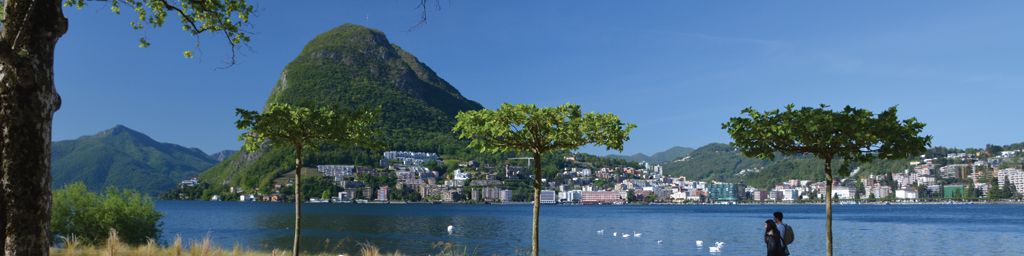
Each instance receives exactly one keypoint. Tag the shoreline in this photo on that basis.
(880, 203)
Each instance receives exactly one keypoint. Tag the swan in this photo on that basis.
(700, 243)
(615, 233)
(659, 241)
(625, 235)
(714, 249)
(719, 244)
(635, 234)
(451, 229)
(600, 232)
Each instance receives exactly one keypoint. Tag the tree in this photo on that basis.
(303, 129)
(28, 97)
(1011, 190)
(852, 134)
(88, 216)
(969, 191)
(536, 131)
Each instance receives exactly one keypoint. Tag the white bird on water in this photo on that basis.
(635, 234)
(625, 235)
(659, 242)
(600, 232)
(615, 233)
(451, 229)
(717, 247)
(700, 243)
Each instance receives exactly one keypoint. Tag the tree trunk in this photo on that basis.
(298, 200)
(28, 99)
(536, 204)
(828, 206)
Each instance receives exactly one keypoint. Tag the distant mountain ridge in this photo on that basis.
(722, 162)
(657, 158)
(125, 158)
(223, 154)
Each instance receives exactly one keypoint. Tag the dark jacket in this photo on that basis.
(775, 245)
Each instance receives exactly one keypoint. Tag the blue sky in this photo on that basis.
(678, 69)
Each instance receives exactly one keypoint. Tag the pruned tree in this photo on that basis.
(304, 129)
(29, 31)
(536, 131)
(852, 135)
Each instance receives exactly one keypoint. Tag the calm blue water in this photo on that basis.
(571, 230)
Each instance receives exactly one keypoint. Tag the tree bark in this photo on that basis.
(828, 206)
(536, 204)
(298, 200)
(28, 99)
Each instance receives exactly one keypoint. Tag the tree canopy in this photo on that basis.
(286, 125)
(851, 134)
(529, 129)
(227, 17)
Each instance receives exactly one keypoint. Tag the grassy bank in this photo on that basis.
(115, 247)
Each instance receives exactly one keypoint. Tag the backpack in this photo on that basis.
(788, 235)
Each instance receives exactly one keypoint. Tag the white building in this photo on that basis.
(879, 191)
(906, 194)
(460, 176)
(548, 197)
(843, 192)
(953, 170)
(344, 196)
(925, 180)
(790, 195)
(247, 198)
(1009, 153)
(572, 196)
(407, 157)
(505, 196)
(1015, 176)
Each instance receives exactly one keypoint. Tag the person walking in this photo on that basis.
(785, 231)
(773, 240)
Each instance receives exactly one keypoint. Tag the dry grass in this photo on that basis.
(205, 247)
(367, 249)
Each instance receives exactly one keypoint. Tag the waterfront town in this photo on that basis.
(404, 176)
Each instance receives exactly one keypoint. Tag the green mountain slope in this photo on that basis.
(722, 162)
(657, 158)
(124, 158)
(356, 67)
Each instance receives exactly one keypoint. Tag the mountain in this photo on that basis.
(722, 162)
(222, 155)
(125, 158)
(354, 67)
(657, 158)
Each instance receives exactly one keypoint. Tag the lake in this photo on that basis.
(572, 229)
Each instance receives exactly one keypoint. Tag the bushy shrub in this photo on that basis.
(90, 216)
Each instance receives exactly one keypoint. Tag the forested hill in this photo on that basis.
(125, 158)
(352, 66)
(723, 162)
